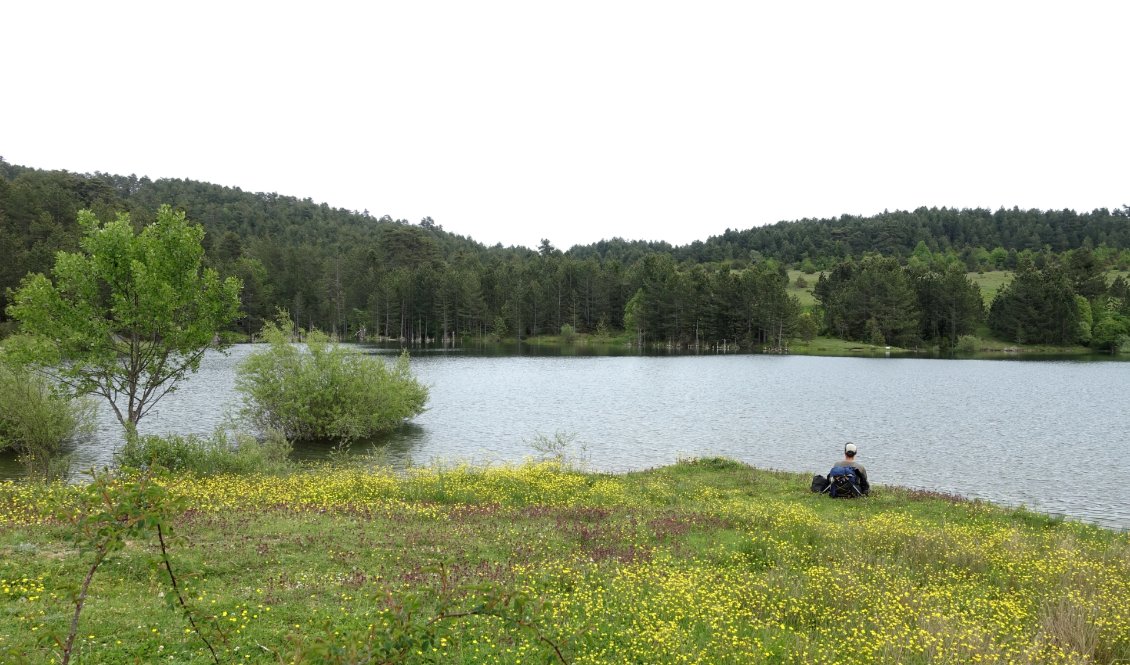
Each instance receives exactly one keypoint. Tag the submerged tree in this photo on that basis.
(127, 317)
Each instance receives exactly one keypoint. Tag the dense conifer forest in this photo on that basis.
(898, 278)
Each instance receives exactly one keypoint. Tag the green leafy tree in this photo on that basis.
(127, 317)
(807, 327)
(1111, 334)
(998, 258)
(1111, 331)
(500, 328)
(324, 390)
(920, 258)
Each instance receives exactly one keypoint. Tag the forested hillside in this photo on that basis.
(942, 230)
(353, 273)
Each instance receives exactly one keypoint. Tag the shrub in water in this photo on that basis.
(968, 344)
(324, 390)
(36, 421)
(562, 448)
(204, 456)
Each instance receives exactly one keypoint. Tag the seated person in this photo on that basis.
(850, 451)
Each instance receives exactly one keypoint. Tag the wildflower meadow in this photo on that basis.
(704, 561)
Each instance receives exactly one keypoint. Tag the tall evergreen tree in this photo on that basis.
(1037, 306)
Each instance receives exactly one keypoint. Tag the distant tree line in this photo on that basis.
(1060, 299)
(1063, 300)
(879, 301)
(898, 277)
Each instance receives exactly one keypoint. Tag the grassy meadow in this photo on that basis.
(803, 294)
(990, 282)
(704, 561)
(834, 346)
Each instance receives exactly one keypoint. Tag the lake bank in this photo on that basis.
(705, 559)
(833, 347)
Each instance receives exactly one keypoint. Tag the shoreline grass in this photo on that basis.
(987, 348)
(702, 561)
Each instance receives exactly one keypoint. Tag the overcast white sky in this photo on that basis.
(577, 121)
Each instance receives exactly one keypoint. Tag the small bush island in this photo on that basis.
(37, 421)
(325, 390)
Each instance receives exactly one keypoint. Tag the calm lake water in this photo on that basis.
(1052, 435)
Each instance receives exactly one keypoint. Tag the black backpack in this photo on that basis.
(843, 483)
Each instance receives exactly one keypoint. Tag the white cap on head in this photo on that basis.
(850, 448)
